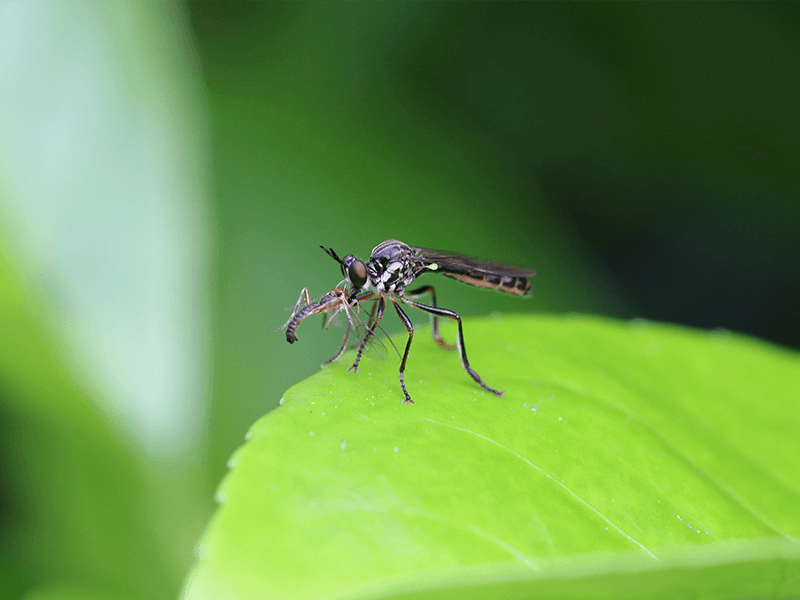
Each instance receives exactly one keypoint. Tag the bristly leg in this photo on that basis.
(410, 327)
(376, 314)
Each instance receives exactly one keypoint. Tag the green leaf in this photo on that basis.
(621, 456)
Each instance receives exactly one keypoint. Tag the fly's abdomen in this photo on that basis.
(521, 286)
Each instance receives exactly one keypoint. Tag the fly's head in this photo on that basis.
(354, 270)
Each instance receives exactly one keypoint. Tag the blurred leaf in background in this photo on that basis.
(106, 255)
(105, 184)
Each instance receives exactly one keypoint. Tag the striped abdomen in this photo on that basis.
(519, 285)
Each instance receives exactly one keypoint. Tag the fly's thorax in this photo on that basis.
(390, 250)
(391, 267)
(392, 276)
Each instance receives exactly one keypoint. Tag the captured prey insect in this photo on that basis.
(335, 301)
(393, 265)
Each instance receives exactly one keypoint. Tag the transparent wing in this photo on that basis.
(359, 316)
(458, 263)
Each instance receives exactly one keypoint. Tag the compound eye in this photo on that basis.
(356, 271)
(358, 274)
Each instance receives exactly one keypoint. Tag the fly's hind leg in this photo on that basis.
(418, 293)
(462, 350)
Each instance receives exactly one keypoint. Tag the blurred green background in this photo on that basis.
(168, 172)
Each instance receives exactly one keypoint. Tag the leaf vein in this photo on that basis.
(549, 476)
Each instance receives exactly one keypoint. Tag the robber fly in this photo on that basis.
(393, 265)
(334, 302)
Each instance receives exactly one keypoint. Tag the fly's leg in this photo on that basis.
(462, 351)
(410, 327)
(376, 314)
(351, 318)
(434, 318)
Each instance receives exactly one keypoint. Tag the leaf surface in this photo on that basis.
(619, 450)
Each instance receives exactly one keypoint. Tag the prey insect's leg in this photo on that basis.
(342, 347)
(372, 324)
(303, 292)
(327, 320)
(347, 307)
(410, 327)
(443, 312)
(434, 319)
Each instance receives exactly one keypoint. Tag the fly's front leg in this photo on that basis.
(372, 325)
(462, 351)
(410, 327)
(434, 318)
